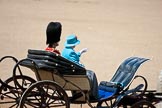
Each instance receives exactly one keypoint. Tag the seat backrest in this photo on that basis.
(50, 61)
(127, 70)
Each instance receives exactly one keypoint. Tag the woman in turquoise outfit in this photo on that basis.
(70, 54)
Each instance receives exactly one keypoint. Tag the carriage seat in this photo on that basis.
(50, 66)
(50, 61)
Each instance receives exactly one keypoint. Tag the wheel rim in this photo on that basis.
(45, 94)
(11, 97)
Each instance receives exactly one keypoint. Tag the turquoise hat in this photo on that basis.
(71, 40)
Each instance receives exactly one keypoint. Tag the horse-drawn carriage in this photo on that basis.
(60, 83)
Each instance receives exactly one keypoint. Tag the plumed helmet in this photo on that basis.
(53, 32)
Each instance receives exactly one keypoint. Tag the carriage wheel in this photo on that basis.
(11, 96)
(45, 94)
(143, 104)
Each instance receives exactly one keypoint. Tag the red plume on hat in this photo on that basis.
(53, 32)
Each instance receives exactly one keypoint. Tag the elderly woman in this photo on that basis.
(70, 54)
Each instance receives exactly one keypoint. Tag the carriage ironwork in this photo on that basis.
(60, 83)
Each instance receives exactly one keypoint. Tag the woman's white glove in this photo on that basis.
(83, 50)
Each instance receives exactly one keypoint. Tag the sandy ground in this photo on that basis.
(112, 30)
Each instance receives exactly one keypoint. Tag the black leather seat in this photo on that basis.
(49, 61)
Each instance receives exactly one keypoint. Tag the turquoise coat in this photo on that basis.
(70, 54)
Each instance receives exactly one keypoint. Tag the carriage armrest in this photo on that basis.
(110, 86)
